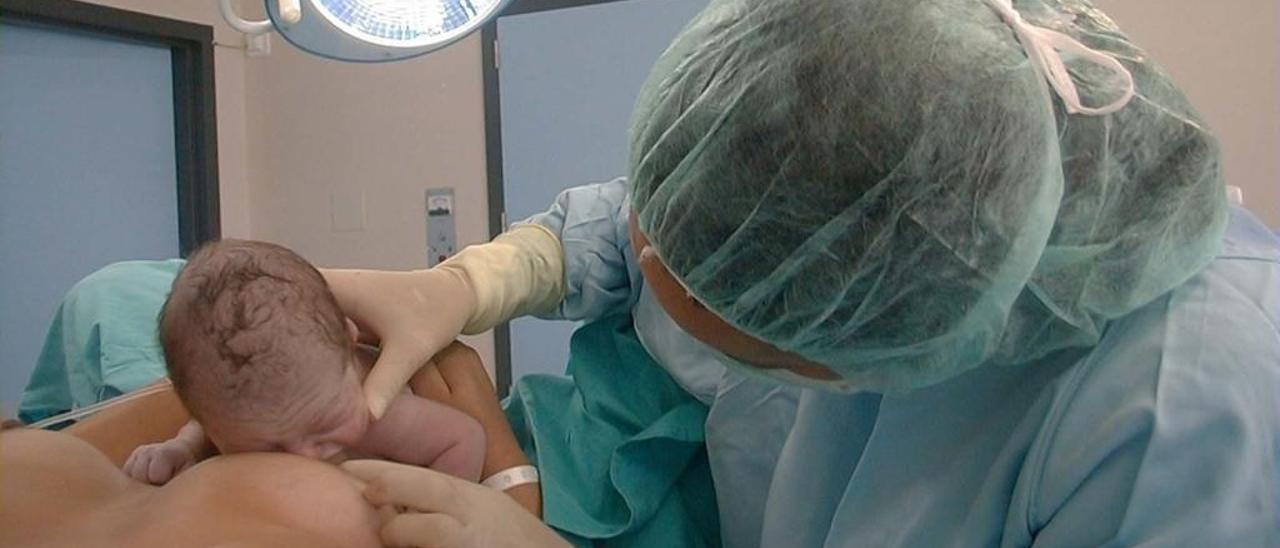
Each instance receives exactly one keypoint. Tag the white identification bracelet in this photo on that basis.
(511, 477)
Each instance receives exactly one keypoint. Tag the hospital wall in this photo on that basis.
(1226, 56)
(297, 134)
(332, 145)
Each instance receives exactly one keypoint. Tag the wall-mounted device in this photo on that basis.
(442, 238)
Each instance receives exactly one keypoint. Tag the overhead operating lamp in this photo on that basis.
(368, 30)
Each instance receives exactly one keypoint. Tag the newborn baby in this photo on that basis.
(264, 360)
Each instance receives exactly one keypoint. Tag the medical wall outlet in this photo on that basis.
(442, 241)
(258, 45)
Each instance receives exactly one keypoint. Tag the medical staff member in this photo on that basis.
(970, 267)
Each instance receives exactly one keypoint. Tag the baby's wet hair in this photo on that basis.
(246, 321)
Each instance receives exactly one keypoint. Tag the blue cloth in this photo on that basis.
(624, 463)
(749, 418)
(102, 342)
(1167, 432)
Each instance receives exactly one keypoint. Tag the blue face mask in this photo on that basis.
(783, 376)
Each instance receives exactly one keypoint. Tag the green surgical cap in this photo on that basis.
(890, 188)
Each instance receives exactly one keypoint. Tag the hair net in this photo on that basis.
(890, 188)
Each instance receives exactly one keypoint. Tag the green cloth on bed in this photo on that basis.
(102, 341)
(619, 445)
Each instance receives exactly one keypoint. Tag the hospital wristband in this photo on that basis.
(511, 477)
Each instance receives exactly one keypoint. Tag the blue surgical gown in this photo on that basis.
(1165, 433)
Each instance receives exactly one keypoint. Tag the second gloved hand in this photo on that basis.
(423, 507)
(411, 315)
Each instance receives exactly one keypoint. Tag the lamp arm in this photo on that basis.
(240, 24)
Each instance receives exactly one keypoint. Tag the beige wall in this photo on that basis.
(1226, 56)
(295, 131)
(322, 133)
(229, 75)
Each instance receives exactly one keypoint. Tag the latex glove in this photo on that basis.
(422, 507)
(411, 315)
(157, 463)
(416, 314)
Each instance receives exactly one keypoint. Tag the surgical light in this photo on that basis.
(368, 30)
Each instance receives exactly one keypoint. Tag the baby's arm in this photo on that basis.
(425, 432)
(157, 463)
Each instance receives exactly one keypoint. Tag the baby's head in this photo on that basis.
(260, 353)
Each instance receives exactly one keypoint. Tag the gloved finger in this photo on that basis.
(417, 488)
(367, 469)
(395, 365)
(356, 482)
(422, 530)
(386, 514)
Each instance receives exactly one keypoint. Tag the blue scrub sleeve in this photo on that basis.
(1191, 456)
(601, 276)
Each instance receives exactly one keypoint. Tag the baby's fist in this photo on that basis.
(157, 463)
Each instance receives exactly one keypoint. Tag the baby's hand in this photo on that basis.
(157, 463)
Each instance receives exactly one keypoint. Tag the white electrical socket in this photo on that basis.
(258, 45)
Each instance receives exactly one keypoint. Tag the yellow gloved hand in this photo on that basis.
(520, 272)
(423, 507)
(413, 315)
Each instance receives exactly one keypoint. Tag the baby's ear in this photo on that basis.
(352, 330)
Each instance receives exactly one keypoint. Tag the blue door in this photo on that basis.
(87, 174)
(568, 80)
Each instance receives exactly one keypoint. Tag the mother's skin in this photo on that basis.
(59, 489)
(66, 489)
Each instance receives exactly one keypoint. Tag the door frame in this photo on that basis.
(195, 118)
(490, 64)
